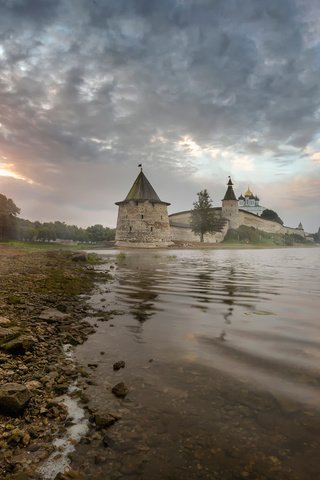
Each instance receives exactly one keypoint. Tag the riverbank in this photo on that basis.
(42, 311)
(238, 246)
(176, 321)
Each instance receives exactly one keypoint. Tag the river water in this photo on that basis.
(222, 352)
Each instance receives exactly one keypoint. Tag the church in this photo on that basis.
(143, 220)
(250, 203)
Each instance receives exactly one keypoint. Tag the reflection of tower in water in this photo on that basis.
(236, 289)
(139, 275)
(204, 282)
(230, 288)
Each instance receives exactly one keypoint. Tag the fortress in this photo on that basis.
(143, 219)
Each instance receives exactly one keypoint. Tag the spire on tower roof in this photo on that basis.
(230, 193)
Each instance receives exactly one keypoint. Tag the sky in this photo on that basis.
(195, 90)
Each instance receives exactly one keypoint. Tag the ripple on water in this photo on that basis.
(222, 364)
(263, 304)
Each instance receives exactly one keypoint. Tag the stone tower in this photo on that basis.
(230, 208)
(142, 217)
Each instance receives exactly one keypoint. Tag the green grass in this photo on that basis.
(120, 258)
(250, 235)
(44, 246)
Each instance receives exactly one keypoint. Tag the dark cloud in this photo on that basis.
(117, 82)
(33, 10)
(177, 65)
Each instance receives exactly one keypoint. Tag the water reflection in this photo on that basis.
(136, 285)
(233, 389)
(217, 299)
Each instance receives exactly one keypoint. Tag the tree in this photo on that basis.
(316, 236)
(202, 220)
(98, 233)
(8, 213)
(271, 215)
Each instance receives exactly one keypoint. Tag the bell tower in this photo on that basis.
(230, 208)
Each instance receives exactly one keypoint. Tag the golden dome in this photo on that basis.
(248, 193)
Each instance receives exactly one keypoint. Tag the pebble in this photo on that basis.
(118, 365)
(49, 317)
(120, 390)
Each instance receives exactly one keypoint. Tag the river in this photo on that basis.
(222, 353)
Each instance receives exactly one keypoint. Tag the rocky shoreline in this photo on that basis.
(42, 311)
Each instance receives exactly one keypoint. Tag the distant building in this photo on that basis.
(250, 203)
(230, 209)
(143, 219)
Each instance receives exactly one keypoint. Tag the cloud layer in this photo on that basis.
(195, 90)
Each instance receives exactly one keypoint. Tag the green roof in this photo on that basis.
(142, 190)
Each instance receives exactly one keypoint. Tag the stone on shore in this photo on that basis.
(4, 321)
(105, 420)
(13, 398)
(120, 390)
(20, 345)
(118, 365)
(53, 315)
(7, 334)
(79, 257)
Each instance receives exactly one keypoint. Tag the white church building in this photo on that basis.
(250, 203)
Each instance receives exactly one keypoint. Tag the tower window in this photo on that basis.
(151, 229)
(141, 216)
(130, 229)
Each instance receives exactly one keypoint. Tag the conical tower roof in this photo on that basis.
(230, 193)
(141, 191)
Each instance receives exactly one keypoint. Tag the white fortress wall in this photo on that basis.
(181, 218)
(251, 220)
(185, 234)
(182, 232)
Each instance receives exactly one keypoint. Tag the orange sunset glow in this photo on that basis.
(7, 170)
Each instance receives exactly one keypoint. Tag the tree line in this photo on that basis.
(14, 228)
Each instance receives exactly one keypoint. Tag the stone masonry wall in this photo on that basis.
(182, 232)
(184, 218)
(185, 234)
(143, 224)
(230, 211)
(268, 226)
